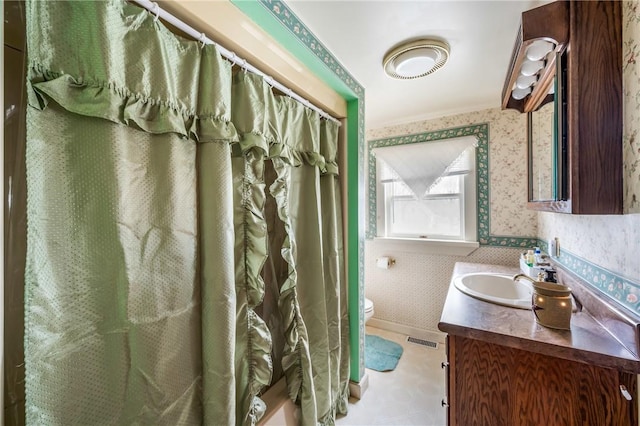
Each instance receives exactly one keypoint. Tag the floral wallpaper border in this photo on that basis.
(622, 290)
(481, 131)
(289, 19)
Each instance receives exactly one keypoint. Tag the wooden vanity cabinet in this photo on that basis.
(495, 385)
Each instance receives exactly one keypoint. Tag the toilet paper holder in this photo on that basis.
(385, 262)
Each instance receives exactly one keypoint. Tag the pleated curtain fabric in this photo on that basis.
(147, 235)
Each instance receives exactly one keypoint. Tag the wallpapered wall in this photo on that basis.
(412, 292)
(507, 164)
(631, 85)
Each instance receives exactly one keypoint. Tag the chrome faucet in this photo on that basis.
(546, 275)
(527, 277)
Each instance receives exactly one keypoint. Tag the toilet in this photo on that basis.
(368, 310)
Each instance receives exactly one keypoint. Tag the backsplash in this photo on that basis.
(623, 290)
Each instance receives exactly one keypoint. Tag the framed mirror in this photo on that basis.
(542, 153)
(547, 141)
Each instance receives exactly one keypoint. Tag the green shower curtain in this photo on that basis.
(147, 234)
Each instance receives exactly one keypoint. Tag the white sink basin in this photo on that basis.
(495, 288)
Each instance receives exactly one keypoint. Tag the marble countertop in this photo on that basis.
(587, 341)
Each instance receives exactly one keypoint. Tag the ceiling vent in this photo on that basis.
(415, 59)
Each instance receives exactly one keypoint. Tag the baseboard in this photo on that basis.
(434, 336)
(357, 389)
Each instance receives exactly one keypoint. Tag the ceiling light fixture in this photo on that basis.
(415, 59)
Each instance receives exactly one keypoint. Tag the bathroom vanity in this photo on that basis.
(503, 368)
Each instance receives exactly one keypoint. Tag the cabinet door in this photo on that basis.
(495, 385)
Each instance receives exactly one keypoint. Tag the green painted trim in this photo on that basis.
(285, 27)
(621, 290)
(355, 245)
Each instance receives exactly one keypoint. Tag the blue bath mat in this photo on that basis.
(381, 354)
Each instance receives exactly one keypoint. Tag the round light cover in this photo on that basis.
(531, 67)
(413, 62)
(539, 49)
(525, 81)
(415, 59)
(520, 93)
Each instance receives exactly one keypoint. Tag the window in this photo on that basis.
(427, 190)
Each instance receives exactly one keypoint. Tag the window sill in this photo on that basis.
(419, 245)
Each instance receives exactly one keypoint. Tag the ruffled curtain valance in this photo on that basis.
(145, 160)
(199, 98)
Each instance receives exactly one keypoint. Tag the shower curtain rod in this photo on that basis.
(156, 10)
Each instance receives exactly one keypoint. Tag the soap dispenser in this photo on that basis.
(537, 255)
(530, 258)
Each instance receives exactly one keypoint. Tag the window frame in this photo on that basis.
(468, 198)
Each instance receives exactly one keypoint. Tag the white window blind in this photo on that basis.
(422, 165)
(427, 190)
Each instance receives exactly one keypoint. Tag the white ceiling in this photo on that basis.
(359, 33)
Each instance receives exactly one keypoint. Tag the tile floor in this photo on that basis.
(409, 395)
